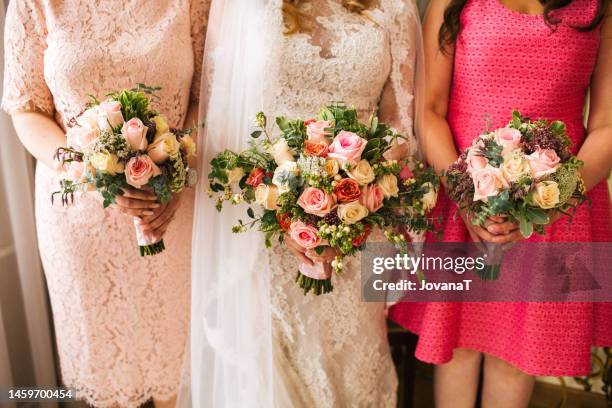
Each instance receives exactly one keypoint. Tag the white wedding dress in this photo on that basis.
(331, 350)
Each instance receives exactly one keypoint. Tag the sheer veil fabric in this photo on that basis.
(231, 362)
(231, 337)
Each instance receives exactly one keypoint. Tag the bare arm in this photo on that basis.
(596, 152)
(40, 135)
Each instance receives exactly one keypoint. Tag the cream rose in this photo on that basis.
(430, 197)
(235, 175)
(106, 163)
(515, 166)
(189, 146)
(331, 167)
(388, 185)
(353, 212)
(267, 196)
(163, 147)
(89, 118)
(362, 173)
(546, 194)
(281, 152)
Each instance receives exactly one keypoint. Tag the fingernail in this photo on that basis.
(137, 220)
(148, 212)
(156, 205)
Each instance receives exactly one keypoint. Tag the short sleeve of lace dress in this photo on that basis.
(397, 107)
(25, 88)
(199, 21)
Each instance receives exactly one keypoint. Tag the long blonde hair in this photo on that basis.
(294, 17)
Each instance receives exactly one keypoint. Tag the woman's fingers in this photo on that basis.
(134, 212)
(486, 236)
(139, 194)
(497, 218)
(160, 220)
(297, 251)
(502, 228)
(135, 203)
(327, 256)
(161, 230)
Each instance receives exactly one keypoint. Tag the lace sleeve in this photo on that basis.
(396, 106)
(25, 88)
(199, 21)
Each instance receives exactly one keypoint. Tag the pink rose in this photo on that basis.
(406, 173)
(304, 235)
(75, 171)
(139, 170)
(347, 147)
(372, 197)
(110, 115)
(397, 151)
(488, 182)
(81, 138)
(135, 132)
(475, 160)
(316, 130)
(543, 162)
(316, 202)
(507, 138)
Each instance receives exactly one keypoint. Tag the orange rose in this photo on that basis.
(284, 220)
(312, 148)
(347, 190)
(361, 239)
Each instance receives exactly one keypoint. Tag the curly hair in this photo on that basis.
(294, 16)
(452, 24)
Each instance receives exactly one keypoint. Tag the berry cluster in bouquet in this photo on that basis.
(524, 172)
(326, 182)
(121, 143)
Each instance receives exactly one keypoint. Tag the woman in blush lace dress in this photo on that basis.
(326, 351)
(121, 321)
(540, 57)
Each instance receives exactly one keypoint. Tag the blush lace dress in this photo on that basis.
(506, 60)
(121, 321)
(333, 349)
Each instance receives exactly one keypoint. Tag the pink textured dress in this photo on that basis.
(121, 321)
(506, 60)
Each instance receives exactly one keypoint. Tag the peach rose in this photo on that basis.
(543, 162)
(508, 138)
(316, 130)
(304, 235)
(312, 148)
(316, 202)
(82, 138)
(164, 147)
(488, 182)
(347, 147)
(546, 194)
(139, 170)
(475, 160)
(372, 197)
(110, 115)
(135, 132)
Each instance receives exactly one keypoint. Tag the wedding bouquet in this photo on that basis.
(122, 142)
(326, 182)
(524, 171)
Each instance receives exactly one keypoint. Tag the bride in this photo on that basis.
(256, 339)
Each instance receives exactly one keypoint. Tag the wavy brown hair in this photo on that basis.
(451, 26)
(294, 17)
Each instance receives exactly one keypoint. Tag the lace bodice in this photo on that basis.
(333, 349)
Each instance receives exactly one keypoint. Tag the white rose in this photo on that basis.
(235, 175)
(89, 118)
(332, 167)
(267, 196)
(110, 115)
(546, 194)
(388, 185)
(430, 197)
(362, 173)
(515, 166)
(281, 152)
(352, 212)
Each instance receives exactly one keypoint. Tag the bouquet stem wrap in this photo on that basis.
(316, 278)
(147, 245)
(493, 259)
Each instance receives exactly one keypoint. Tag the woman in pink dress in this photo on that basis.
(121, 321)
(486, 58)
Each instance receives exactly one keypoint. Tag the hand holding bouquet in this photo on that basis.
(326, 182)
(121, 143)
(524, 172)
